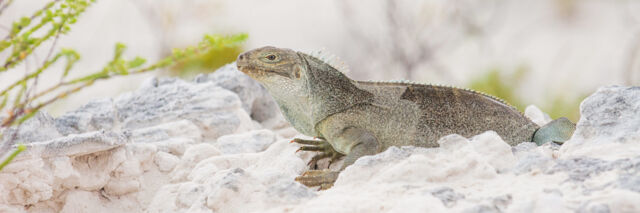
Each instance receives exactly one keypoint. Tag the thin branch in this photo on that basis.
(27, 112)
(60, 96)
(34, 86)
(26, 73)
(26, 78)
(14, 135)
(36, 14)
(53, 46)
(5, 6)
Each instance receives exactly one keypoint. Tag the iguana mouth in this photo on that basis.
(242, 64)
(244, 69)
(253, 70)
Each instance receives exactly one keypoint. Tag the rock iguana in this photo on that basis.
(358, 118)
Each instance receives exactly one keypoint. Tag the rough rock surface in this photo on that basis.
(219, 144)
(610, 121)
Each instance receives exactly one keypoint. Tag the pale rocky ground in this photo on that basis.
(219, 144)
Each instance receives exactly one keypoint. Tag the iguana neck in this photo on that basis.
(295, 106)
(329, 90)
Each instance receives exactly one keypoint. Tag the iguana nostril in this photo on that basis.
(241, 57)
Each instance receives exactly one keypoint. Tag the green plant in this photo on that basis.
(20, 100)
(563, 106)
(495, 83)
(504, 87)
(206, 62)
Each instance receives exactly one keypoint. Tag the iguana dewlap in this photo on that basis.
(358, 118)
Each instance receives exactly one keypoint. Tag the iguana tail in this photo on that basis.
(558, 131)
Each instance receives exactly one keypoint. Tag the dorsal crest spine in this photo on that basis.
(330, 59)
(444, 86)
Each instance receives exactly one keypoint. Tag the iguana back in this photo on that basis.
(444, 110)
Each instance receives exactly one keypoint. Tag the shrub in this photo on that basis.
(20, 100)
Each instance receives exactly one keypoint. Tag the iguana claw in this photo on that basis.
(323, 178)
(322, 146)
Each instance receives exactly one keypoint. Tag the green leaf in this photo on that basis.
(72, 57)
(15, 153)
(119, 49)
(27, 116)
(91, 77)
(136, 62)
(4, 102)
(24, 21)
(212, 52)
(48, 14)
(177, 52)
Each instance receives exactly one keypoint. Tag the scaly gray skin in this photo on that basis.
(356, 118)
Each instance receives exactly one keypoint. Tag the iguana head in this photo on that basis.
(273, 67)
(282, 72)
(306, 88)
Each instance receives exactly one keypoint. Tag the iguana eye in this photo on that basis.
(268, 57)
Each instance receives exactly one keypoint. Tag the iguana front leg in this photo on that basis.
(322, 146)
(363, 143)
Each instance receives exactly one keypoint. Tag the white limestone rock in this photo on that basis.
(165, 161)
(609, 126)
(166, 131)
(255, 98)
(193, 155)
(253, 141)
(175, 146)
(536, 115)
(75, 145)
(40, 127)
(215, 110)
(246, 182)
(95, 115)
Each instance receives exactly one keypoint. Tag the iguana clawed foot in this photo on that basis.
(320, 145)
(323, 178)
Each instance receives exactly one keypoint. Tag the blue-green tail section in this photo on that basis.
(558, 131)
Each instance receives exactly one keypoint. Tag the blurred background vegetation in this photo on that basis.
(505, 85)
(549, 53)
(207, 62)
